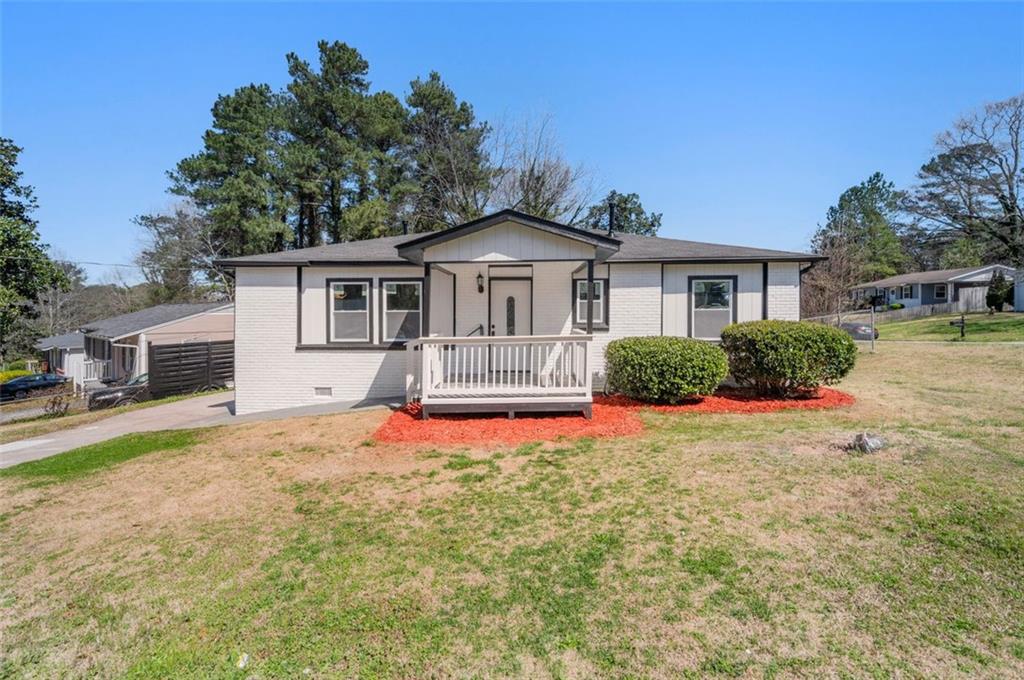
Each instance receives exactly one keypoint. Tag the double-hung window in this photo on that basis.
(940, 291)
(908, 291)
(580, 302)
(403, 310)
(350, 311)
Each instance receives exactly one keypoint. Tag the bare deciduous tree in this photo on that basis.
(535, 178)
(826, 287)
(59, 307)
(178, 254)
(973, 185)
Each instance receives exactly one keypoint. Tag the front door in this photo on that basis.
(511, 307)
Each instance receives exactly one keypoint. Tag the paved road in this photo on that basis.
(205, 411)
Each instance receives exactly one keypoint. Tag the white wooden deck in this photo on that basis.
(500, 374)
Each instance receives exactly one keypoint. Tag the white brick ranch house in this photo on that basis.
(490, 315)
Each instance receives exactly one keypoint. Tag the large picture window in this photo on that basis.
(403, 309)
(350, 311)
(579, 308)
(713, 306)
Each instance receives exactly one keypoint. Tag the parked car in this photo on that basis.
(132, 392)
(27, 385)
(859, 331)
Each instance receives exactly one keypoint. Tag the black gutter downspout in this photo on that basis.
(426, 300)
(298, 308)
(764, 290)
(590, 297)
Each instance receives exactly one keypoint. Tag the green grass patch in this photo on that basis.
(981, 327)
(87, 460)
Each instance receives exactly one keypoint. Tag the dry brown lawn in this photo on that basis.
(742, 545)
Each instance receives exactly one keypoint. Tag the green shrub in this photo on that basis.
(1000, 292)
(787, 358)
(664, 369)
(897, 305)
(17, 365)
(10, 375)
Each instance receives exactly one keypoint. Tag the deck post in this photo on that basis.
(590, 297)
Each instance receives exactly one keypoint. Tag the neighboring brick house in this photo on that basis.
(963, 288)
(490, 315)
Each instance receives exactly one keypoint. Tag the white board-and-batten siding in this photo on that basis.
(508, 242)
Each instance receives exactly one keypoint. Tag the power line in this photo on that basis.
(98, 264)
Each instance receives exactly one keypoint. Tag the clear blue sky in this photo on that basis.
(741, 123)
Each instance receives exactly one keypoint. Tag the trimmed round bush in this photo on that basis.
(664, 370)
(787, 358)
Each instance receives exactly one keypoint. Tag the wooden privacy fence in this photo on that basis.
(190, 367)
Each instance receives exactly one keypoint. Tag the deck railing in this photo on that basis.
(96, 369)
(495, 368)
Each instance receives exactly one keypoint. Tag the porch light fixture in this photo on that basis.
(479, 282)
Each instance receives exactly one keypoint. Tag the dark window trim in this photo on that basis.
(383, 303)
(329, 288)
(582, 323)
(509, 278)
(708, 277)
(351, 347)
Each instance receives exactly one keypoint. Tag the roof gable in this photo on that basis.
(602, 246)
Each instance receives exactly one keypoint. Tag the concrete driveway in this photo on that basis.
(204, 411)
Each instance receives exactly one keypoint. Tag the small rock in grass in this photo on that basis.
(243, 661)
(867, 443)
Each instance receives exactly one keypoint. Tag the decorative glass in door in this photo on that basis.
(510, 315)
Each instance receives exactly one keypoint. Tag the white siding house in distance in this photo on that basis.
(508, 312)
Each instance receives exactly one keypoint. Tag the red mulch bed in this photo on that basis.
(405, 426)
(737, 401)
(613, 417)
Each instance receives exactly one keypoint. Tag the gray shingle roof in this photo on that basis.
(127, 324)
(634, 248)
(74, 340)
(932, 276)
(637, 248)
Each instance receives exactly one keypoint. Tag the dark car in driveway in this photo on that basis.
(132, 392)
(31, 385)
(859, 331)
